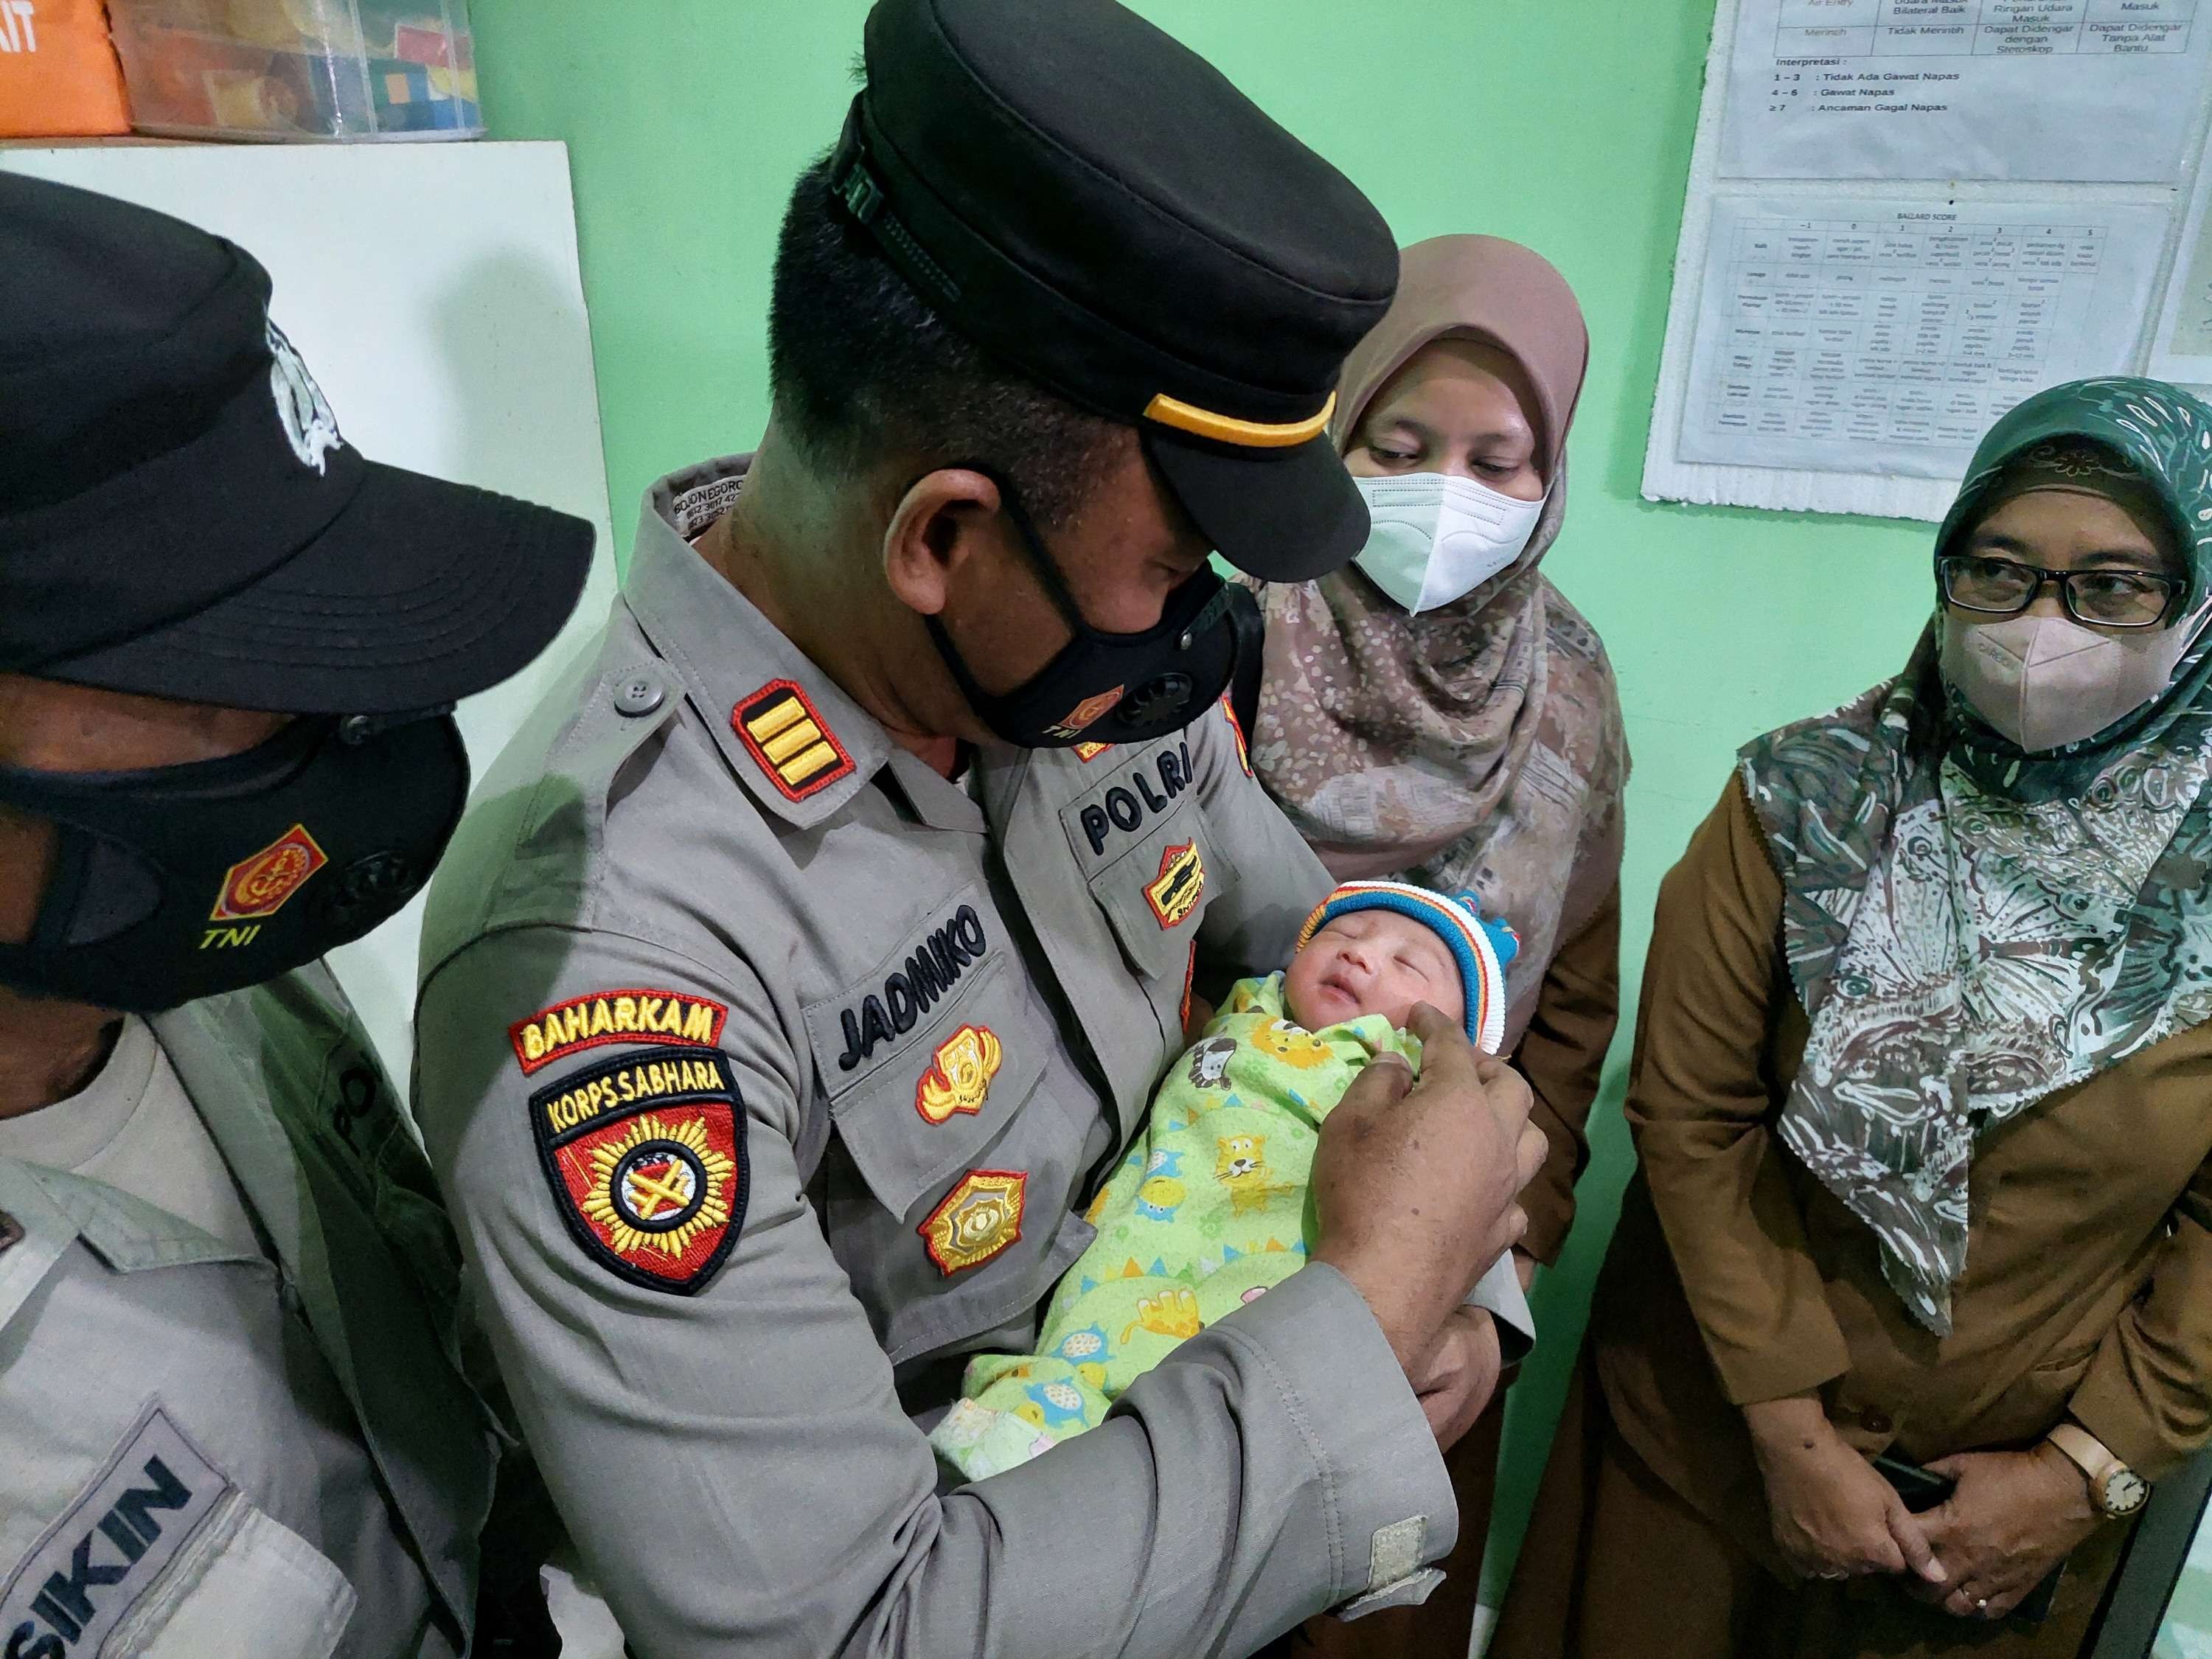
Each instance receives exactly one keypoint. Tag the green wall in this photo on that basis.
(1563, 123)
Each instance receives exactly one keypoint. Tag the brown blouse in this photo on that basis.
(1735, 1276)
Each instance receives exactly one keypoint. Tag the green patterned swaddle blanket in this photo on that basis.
(1208, 1209)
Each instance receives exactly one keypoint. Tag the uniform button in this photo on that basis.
(639, 694)
(1875, 1423)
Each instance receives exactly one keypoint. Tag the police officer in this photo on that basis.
(813, 956)
(232, 1418)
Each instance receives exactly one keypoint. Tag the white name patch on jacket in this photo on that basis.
(110, 1547)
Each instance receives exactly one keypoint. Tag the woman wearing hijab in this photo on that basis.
(1920, 1098)
(1440, 713)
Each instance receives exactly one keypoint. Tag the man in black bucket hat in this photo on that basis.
(230, 1417)
(811, 961)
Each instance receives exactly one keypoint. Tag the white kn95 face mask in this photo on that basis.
(1434, 538)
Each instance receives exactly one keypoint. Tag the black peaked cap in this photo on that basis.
(1084, 196)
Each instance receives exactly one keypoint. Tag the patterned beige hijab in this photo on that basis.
(1479, 745)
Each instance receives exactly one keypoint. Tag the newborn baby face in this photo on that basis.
(1372, 961)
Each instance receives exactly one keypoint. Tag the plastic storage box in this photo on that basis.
(298, 70)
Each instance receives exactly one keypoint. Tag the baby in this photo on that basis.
(1209, 1208)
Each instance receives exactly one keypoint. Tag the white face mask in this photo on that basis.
(1434, 538)
(2045, 682)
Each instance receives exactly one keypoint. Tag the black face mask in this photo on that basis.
(1101, 687)
(179, 882)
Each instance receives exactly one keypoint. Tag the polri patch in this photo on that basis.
(646, 1160)
(1181, 882)
(790, 740)
(598, 1019)
(1135, 798)
(959, 1074)
(111, 1544)
(978, 1219)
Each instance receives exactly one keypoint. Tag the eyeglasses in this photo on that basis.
(2103, 599)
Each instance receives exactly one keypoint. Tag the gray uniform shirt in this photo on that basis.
(206, 1449)
(932, 1018)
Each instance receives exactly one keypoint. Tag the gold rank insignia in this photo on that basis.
(979, 1218)
(1088, 753)
(959, 1075)
(789, 737)
(646, 1160)
(1181, 884)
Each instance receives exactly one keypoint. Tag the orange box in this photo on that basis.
(59, 76)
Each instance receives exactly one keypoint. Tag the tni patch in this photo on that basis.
(789, 737)
(260, 885)
(646, 1160)
(1086, 713)
(1181, 884)
(601, 1019)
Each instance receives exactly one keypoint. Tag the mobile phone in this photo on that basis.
(2035, 1607)
(1920, 1490)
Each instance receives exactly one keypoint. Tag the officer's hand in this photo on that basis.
(1459, 1379)
(1414, 1185)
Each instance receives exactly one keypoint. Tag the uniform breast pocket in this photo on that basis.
(251, 1583)
(1154, 895)
(162, 1556)
(1138, 836)
(950, 1174)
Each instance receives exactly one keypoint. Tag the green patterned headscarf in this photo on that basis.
(1970, 928)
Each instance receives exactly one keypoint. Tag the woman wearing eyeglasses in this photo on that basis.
(1922, 1100)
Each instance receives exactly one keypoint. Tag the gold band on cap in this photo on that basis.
(1228, 429)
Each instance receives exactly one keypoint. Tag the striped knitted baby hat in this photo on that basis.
(1480, 946)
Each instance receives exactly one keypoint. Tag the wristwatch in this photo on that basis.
(2115, 1489)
